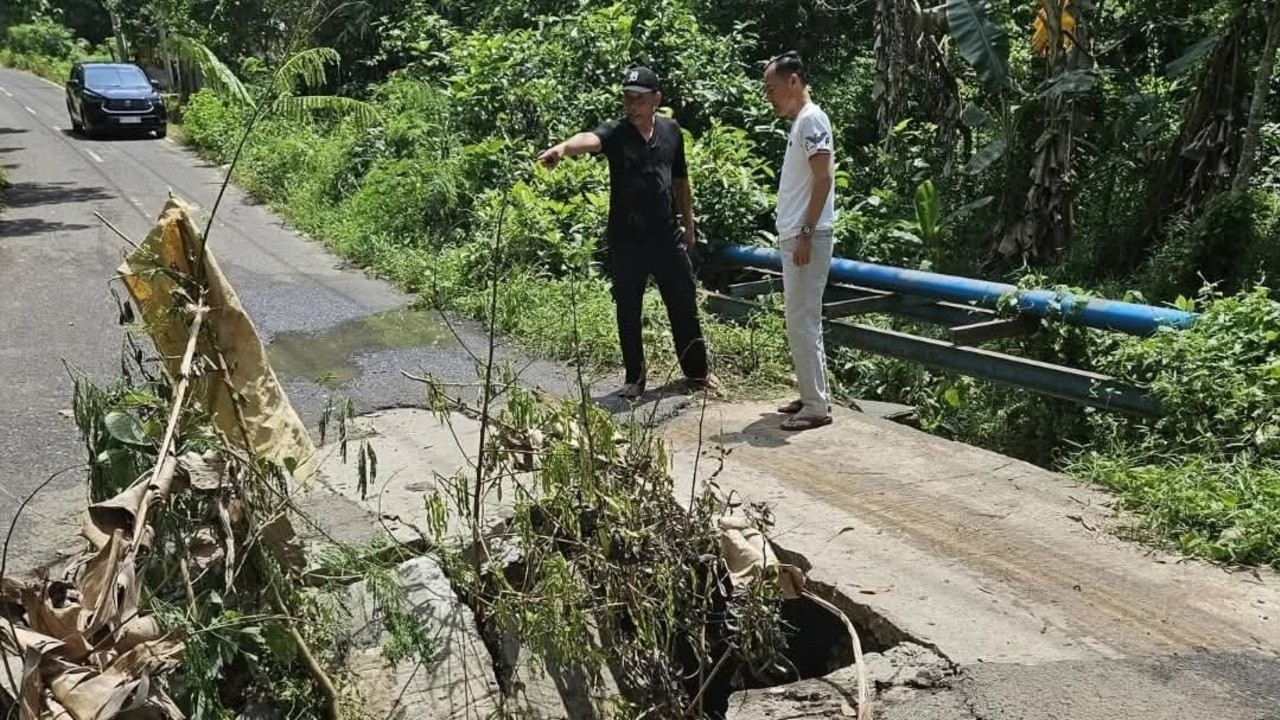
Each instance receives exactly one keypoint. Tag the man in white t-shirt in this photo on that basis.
(806, 216)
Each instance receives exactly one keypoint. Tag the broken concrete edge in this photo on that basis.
(879, 627)
(457, 680)
(902, 675)
(881, 633)
(382, 685)
(898, 659)
(477, 666)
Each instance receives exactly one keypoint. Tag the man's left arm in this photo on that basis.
(684, 196)
(683, 190)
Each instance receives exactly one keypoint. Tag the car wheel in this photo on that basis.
(75, 124)
(162, 131)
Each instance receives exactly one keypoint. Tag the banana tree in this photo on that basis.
(1040, 225)
(911, 62)
(1062, 41)
(1199, 163)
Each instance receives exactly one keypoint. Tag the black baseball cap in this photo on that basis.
(640, 79)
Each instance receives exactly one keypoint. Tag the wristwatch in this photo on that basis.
(806, 230)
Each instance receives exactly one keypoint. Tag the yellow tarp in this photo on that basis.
(162, 274)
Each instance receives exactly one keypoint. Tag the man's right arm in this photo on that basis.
(583, 142)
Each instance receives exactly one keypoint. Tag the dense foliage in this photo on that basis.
(1115, 146)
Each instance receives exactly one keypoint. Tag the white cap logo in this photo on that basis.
(633, 76)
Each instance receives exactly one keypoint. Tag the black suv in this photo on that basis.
(114, 96)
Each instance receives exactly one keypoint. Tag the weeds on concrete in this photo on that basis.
(594, 569)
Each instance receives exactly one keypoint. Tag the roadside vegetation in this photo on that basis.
(1132, 153)
(46, 48)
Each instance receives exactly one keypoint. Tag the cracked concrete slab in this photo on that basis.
(900, 672)
(418, 453)
(458, 685)
(1001, 566)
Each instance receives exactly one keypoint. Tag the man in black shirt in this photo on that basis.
(647, 177)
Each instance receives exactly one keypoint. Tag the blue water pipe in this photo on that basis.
(1126, 317)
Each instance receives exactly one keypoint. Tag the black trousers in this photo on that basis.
(631, 264)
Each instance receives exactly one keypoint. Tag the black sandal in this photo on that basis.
(792, 407)
(796, 406)
(806, 423)
(632, 390)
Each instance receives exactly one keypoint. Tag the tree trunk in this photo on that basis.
(1258, 105)
(1047, 221)
(912, 78)
(162, 21)
(1200, 161)
(122, 54)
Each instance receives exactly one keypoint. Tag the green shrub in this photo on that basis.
(1233, 243)
(733, 199)
(212, 125)
(44, 38)
(52, 69)
(1226, 510)
(406, 200)
(532, 83)
(552, 223)
(1217, 382)
(275, 162)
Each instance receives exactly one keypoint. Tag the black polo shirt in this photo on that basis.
(642, 206)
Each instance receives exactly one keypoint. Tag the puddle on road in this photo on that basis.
(327, 357)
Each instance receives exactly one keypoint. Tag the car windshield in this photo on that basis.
(115, 77)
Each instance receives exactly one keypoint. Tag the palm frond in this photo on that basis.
(301, 107)
(217, 75)
(306, 68)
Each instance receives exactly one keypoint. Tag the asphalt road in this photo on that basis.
(332, 329)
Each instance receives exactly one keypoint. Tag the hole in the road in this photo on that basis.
(326, 357)
(818, 644)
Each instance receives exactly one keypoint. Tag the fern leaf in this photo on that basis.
(305, 69)
(217, 75)
(300, 107)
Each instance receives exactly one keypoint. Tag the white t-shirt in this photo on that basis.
(810, 134)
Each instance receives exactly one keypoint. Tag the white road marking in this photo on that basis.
(94, 155)
(50, 82)
(57, 129)
(135, 201)
(6, 92)
(28, 109)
